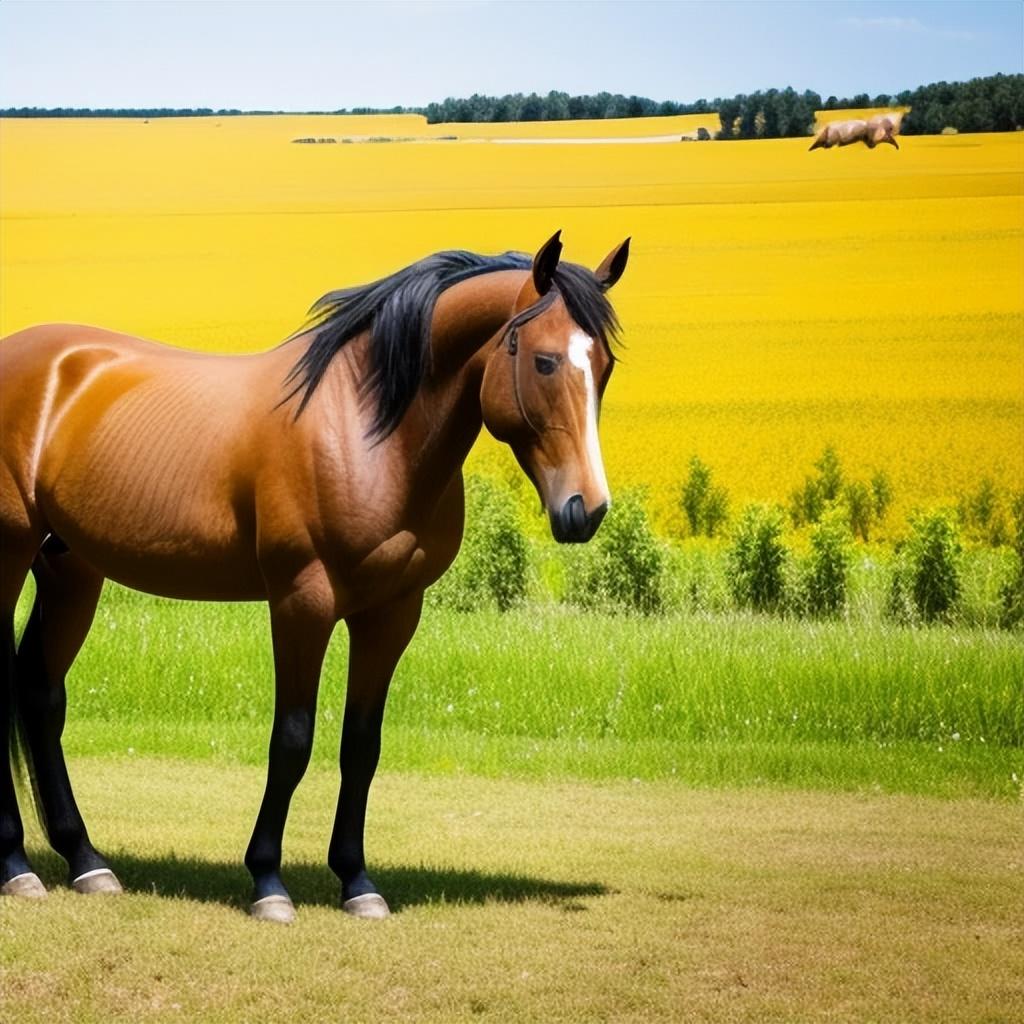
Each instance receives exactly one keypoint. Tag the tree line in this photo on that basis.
(991, 104)
(557, 106)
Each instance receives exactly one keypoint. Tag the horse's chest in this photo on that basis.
(400, 563)
(381, 553)
(395, 557)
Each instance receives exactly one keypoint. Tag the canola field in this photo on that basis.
(776, 300)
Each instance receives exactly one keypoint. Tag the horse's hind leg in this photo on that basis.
(67, 591)
(16, 875)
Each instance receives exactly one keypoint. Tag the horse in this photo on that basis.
(323, 476)
(880, 128)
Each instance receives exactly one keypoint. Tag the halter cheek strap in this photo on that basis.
(512, 344)
(511, 341)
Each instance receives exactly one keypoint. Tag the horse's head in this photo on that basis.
(544, 382)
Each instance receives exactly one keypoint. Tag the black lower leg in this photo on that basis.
(13, 861)
(291, 742)
(42, 705)
(360, 752)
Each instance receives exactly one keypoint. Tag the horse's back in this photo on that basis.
(29, 386)
(131, 451)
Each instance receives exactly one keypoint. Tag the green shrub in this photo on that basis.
(623, 566)
(807, 503)
(881, 493)
(756, 559)
(860, 508)
(695, 579)
(716, 511)
(492, 567)
(830, 474)
(828, 567)
(866, 503)
(705, 506)
(1012, 595)
(926, 579)
(984, 515)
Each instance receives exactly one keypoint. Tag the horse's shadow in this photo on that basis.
(314, 884)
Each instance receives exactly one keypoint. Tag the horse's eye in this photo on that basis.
(546, 364)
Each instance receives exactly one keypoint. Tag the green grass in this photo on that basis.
(579, 817)
(522, 900)
(549, 691)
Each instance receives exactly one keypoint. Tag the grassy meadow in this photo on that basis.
(551, 692)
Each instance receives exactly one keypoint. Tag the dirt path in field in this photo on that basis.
(531, 901)
(602, 140)
(638, 139)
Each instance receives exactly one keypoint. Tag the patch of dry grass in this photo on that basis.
(532, 902)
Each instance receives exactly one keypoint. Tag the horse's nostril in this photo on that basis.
(576, 515)
(573, 524)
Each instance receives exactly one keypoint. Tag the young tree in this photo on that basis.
(694, 494)
(881, 494)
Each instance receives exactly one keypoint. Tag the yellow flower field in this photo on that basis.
(776, 301)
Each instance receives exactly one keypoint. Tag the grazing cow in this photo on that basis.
(881, 128)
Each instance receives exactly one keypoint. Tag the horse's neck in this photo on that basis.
(429, 446)
(446, 416)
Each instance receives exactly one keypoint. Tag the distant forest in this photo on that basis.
(991, 104)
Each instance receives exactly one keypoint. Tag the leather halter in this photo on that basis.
(511, 342)
(512, 345)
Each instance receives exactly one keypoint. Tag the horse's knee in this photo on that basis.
(360, 739)
(293, 738)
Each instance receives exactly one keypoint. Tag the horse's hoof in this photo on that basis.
(279, 909)
(26, 884)
(370, 905)
(101, 882)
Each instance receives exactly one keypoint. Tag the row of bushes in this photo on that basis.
(986, 515)
(757, 567)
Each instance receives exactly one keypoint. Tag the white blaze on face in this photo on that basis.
(580, 347)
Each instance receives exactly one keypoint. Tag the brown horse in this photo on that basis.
(880, 128)
(323, 476)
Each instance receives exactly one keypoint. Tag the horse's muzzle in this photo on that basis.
(573, 524)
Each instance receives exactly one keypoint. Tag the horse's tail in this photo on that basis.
(22, 769)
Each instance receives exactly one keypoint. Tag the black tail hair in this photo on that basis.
(22, 769)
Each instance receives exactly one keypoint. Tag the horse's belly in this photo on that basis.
(166, 557)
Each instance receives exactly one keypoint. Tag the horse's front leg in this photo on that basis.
(301, 625)
(377, 640)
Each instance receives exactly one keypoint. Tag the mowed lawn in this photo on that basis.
(527, 901)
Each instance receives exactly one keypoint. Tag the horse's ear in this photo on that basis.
(544, 263)
(614, 264)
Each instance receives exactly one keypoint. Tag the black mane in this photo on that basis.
(397, 312)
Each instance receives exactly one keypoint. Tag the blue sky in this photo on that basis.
(324, 55)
